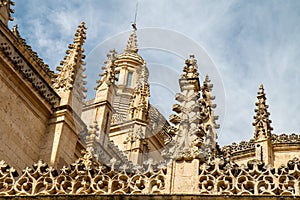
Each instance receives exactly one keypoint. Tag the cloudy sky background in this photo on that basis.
(241, 43)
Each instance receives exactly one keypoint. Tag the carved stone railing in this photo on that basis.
(234, 147)
(219, 178)
(85, 176)
(82, 177)
(284, 138)
(276, 139)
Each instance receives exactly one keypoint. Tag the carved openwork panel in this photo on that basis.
(255, 178)
(82, 177)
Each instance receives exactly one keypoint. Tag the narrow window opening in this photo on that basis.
(106, 123)
(129, 79)
(117, 76)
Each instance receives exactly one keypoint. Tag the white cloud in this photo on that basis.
(250, 42)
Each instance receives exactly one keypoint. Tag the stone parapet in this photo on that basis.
(216, 177)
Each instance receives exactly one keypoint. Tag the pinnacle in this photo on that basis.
(261, 92)
(191, 60)
(109, 74)
(190, 69)
(131, 46)
(261, 89)
(262, 123)
(72, 65)
(206, 84)
(80, 34)
(207, 78)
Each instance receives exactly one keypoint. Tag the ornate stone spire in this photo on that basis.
(208, 118)
(5, 11)
(109, 75)
(262, 123)
(73, 63)
(70, 76)
(127, 64)
(188, 140)
(131, 46)
(139, 101)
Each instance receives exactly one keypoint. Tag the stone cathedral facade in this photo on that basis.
(56, 143)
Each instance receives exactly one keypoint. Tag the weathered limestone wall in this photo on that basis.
(243, 159)
(88, 115)
(23, 120)
(183, 176)
(282, 154)
(282, 157)
(119, 136)
(60, 143)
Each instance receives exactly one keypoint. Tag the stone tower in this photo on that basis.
(124, 114)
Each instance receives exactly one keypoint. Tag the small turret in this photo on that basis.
(139, 101)
(101, 110)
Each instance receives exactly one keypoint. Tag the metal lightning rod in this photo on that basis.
(136, 9)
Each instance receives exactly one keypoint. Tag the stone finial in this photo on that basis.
(71, 69)
(139, 101)
(190, 69)
(131, 46)
(6, 11)
(109, 75)
(262, 123)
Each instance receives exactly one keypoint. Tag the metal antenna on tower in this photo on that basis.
(136, 9)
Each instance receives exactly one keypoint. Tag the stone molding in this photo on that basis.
(32, 53)
(28, 72)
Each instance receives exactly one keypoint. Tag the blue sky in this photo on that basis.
(247, 42)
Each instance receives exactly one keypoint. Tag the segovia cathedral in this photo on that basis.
(55, 144)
